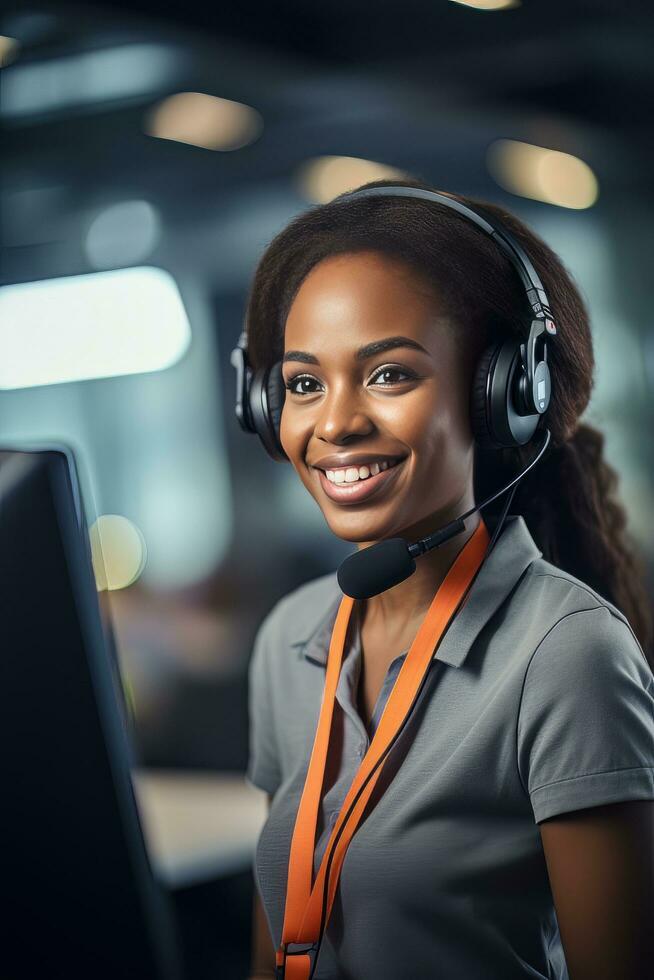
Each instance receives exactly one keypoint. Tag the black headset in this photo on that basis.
(511, 385)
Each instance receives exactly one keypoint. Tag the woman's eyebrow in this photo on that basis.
(369, 350)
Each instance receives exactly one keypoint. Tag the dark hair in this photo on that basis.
(569, 500)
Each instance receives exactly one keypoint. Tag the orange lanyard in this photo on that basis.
(304, 903)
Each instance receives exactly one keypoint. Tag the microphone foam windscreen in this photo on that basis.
(373, 570)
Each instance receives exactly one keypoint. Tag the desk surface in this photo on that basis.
(198, 825)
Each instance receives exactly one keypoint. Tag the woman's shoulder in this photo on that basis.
(557, 595)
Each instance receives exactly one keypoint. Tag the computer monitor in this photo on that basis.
(79, 895)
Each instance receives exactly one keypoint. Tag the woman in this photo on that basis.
(510, 832)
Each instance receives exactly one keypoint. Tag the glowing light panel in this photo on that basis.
(101, 325)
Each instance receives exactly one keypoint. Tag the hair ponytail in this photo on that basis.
(570, 502)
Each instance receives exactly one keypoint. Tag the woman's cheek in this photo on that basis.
(293, 445)
(286, 434)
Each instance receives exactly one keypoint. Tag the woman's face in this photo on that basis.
(341, 405)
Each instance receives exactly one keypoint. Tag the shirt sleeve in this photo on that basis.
(585, 733)
(263, 769)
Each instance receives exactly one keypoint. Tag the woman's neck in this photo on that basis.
(396, 608)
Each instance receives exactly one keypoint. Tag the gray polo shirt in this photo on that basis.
(539, 700)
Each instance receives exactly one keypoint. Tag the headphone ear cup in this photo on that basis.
(276, 397)
(480, 400)
(496, 420)
(266, 400)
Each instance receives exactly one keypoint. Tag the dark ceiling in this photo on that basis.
(423, 85)
(589, 60)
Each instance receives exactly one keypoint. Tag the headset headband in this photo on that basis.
(530, 279)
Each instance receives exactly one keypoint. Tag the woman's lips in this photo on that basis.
(352, 493)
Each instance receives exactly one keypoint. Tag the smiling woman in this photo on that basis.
(537, 706)
(355, 467)
(343, 316)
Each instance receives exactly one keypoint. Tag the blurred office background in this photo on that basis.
(150, 152)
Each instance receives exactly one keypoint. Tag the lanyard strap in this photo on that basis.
(304, 903)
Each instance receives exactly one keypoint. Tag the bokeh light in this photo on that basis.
(123, 234)
(204, 120)
(541, 174)
(326, 177)
(118, 552)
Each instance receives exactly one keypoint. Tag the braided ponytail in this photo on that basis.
(571, 504)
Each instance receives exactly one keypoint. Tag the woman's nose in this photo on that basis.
(341, 415)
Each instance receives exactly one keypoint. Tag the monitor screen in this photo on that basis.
(80, 896)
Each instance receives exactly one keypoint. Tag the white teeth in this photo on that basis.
(353, 473)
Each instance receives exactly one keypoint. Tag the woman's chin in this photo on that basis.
(361, 532)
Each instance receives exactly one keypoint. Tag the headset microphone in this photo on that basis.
(381, 566)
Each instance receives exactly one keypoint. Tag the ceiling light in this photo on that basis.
(123, 234)
(127, 321)
(87, 78)
(9, 48)
(326, 177)
(542, 174)
(489, 4)
(204, 120)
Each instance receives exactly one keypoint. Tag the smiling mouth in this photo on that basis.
(361, 489)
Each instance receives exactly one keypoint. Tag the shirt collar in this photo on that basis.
(512, 553)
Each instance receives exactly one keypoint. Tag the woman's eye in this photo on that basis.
(290, 385)
(307, 379)
(393, 370)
